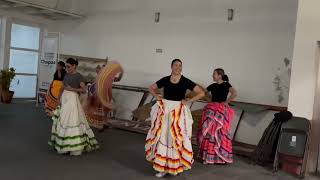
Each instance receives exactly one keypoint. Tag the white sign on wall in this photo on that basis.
(48, 61)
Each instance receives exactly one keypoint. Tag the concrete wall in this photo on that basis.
(305, 72)
(303, 77)
(251, 48)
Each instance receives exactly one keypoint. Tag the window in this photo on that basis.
(24, 61)
(24, 57)
(25, 37)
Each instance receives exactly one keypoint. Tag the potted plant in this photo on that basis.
(6, 78)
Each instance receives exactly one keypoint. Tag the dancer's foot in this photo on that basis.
(75, 153)
(161, 174)
(101, 129)
(49, 113)
(60, 152)
(205, 162)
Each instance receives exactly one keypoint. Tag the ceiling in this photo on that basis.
(52, 13)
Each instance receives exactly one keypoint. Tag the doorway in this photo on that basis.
(314, 153)
(24, 57)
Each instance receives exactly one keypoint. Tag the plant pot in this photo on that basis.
(6, 96)
(0, 91)
(0, 94)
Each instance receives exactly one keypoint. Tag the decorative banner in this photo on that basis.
(48, 60)
(87, 66)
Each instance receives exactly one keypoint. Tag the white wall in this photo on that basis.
(305, 71)
(250, 49)
(303, 78)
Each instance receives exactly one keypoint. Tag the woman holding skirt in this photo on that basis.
(168, 144)
(56, 88)
(70, 130)
(99, 101)
(93, 109)
(214, 139)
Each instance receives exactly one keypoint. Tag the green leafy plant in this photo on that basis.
(6, 78)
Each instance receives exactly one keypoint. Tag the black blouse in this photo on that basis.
(219, 92)
(175, 92)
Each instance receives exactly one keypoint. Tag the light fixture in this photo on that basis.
(157, 17)
(230, 14)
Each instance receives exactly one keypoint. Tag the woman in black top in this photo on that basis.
(221, 88)
(176, 85)
(56, 88)
(168, 144)
(60, 72)
(214, 139)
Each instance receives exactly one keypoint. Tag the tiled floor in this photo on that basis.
(25, 155)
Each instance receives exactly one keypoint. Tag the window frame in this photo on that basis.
(8, 47)
(26, 49)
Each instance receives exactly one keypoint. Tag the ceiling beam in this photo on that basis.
(22, 3)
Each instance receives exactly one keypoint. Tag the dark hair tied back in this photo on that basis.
(62, 64)
(174, 61)
(72, 61)
(220, 71)
(225, 78)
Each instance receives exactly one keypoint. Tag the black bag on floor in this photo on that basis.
(266, 149)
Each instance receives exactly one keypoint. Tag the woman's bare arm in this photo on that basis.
(153, 90)
(82, 88)
(200, 94)
(233, 95)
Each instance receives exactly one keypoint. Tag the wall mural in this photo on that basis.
(87, 66)
(282, 80)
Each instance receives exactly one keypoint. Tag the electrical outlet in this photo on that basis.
(159, 50)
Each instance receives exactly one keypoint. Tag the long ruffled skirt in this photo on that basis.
(70, 130)
(53, 95)
(214, 139)
(168, 144)
(96, 114)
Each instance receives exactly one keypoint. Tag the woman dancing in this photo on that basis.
(95, 109)
(214, 139)
(56, 88)
(70, 130)
(168, 144)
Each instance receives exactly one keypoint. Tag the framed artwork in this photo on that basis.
(87, 66)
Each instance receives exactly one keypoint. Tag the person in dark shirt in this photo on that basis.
(176, 85)
(221, 88)
(214, 139)
(55, 89)
(60, 72)
(168, 145)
